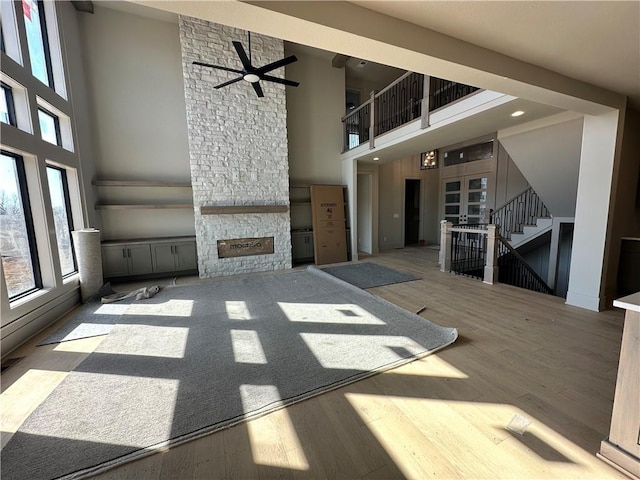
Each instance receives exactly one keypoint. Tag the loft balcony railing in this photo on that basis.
(410, 97)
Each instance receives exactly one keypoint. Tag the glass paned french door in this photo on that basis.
(465, 199)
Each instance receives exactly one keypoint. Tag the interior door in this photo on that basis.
(411, 212)
(465, 199)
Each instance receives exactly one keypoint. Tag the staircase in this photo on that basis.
(523, 218)
(479, 251)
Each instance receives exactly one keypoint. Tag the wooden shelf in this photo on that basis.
(142, 206)
(139, 183)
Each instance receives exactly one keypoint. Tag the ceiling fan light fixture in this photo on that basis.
(251, 77)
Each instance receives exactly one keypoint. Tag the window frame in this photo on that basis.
(67, 207)
(56, 125)
(11, 106)
(45, 42)
(29, 226)
(46, 48)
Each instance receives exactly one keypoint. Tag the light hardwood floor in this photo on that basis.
(444, 416)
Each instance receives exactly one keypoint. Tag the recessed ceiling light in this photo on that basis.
(375, 159)
(517, 113)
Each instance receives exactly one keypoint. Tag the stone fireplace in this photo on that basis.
(238, 150)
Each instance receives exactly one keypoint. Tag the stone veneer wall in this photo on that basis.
(237, 147)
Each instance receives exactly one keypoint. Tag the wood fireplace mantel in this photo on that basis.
(236, 209)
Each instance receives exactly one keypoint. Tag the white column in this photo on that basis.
(445, 246)
(491, 261)
(586, 284)
(349, 178)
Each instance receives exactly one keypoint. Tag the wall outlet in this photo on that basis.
(384, 239)
(396, 215)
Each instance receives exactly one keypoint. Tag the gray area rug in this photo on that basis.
(369, 275)
(194, 359)
(92, 319)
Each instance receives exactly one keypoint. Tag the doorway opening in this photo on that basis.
(411, 211)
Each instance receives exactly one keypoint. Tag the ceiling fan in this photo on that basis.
(252, 74)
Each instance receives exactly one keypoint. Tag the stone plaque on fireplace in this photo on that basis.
(242, 247)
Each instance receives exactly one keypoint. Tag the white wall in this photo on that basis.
(392, 178)
(138, 119)
(314, 110)
(509, 179)
(549, 158)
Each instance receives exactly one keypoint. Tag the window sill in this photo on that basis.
(28, 298)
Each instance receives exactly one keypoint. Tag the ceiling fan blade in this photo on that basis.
(258, 89)
(243, 56)
(283, 81)
(219, 67)
(228, 83)
(278, 64)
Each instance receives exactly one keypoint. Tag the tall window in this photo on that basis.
(7, 107)
(59, 190)
(17, 238)
(49, 126)
(37, 40)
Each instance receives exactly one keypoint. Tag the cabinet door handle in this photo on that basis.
(124, 253)
(129, 252)
(175, 249)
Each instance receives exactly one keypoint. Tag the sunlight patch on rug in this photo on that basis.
(153, 341)
(237, 310)
(338, 313)
(129, 396)
(247, 347)
(335, 350)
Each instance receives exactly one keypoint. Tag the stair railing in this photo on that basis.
(514, 270)
(469, 250)
(479, 251)
(523, 209)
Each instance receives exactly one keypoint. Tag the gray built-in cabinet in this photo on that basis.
(149, 256)
(302, 246)
(174, 256)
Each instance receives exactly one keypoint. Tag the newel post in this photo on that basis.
(372, 120)
(491, 262)
(445, 246)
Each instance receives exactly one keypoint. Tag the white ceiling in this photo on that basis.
(594, 41)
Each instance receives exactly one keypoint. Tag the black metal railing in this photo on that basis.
(399, 103)
(443, 92)
(469, 250)
(524, 209)
(357, 126)
(514, 270)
